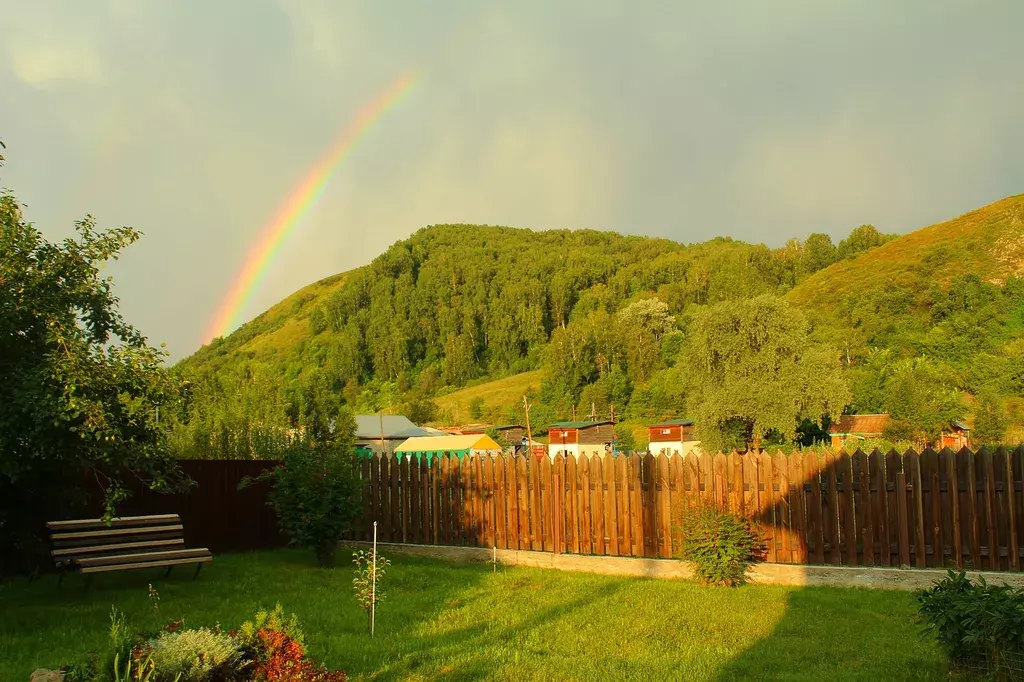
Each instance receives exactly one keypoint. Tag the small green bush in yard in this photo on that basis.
(202, 654)
(719, 543)
(979, 626)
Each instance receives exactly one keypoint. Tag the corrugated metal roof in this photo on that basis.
(859, 424)
(962, 426)
(674, 422)
(368, 427)
(449, 444)
(578, 425)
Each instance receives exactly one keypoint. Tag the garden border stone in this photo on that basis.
(759, 574)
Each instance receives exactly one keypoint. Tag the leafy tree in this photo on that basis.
(625, 440)
(860, 240)
(819, 253)
(920, 401)
(643, 323)
(753, 368)
(78, 384)
(990, 421)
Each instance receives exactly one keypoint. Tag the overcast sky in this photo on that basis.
(190, 120)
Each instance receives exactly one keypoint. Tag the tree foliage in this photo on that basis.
(752, 369)
(78, 384)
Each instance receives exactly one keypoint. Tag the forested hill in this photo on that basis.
(463, 304)
(466, 301)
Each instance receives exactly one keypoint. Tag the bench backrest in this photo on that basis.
(93, 538)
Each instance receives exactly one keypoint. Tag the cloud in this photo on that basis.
(50, 63)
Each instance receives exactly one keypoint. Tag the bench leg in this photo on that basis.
(168, 573)
(199, 567)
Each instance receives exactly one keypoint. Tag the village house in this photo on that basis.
(854, 427)
(956, 437)
(580, 438)
(672, 436)
(382, 433)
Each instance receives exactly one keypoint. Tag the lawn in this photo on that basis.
(444, 621)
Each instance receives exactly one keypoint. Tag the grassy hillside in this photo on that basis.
(498, 395)
(988, 243)
(277, 333)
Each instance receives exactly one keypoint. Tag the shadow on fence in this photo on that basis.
(931, 509)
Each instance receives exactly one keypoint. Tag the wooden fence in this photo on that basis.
(215, 513)
(931, 509)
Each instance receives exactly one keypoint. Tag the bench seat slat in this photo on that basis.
(115, 532)
(95, 549)
(148, 564)
(116, 522)
(143, 556)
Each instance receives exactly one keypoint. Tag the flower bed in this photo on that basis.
(268, 648)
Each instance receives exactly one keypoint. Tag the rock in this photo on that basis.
(44, 675)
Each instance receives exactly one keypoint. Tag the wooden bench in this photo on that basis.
(91, 546)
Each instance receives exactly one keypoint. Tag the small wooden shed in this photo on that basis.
(853, 427)
(956, 437)
(580, 438)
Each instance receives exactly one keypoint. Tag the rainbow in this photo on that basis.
(296, 205)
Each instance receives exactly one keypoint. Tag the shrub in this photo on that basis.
(197, 655)
(316, 496)
(719, 543)
(979, 626)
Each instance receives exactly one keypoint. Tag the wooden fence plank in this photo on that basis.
(597, 502)
(586, 506)
(847, 516)
(985, 459)
(798, 507)
(558, 500)
(902, 507)
(813, 501)
(912, 465)
(367, 513)
(830, 513)
(383, 481)
(523, 501)
(953, 499)
(622, 508)
(511, 502)
(572, 504)
(783, 525)
(487, 469)
(893, 466)
(636, 522)
(611, 532)
(768, 523)
(547, 505)
(865, 528)
(1012, 479)
(970, 465)
(663, 505)
(880, 507)
(500, 503)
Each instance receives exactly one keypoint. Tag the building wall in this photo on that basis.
(374, 445)
(563, 436)
(672, 447)
(576, 450)
(596, 434)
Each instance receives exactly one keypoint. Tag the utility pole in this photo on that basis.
(574, 413)
(529, 433)
(593, 412)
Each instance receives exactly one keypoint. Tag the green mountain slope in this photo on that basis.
(987, 243)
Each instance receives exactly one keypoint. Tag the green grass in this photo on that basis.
(444, 621)
(500, 393)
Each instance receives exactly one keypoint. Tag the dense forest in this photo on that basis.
(928, 326)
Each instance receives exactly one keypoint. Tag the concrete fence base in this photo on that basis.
(760, 574)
